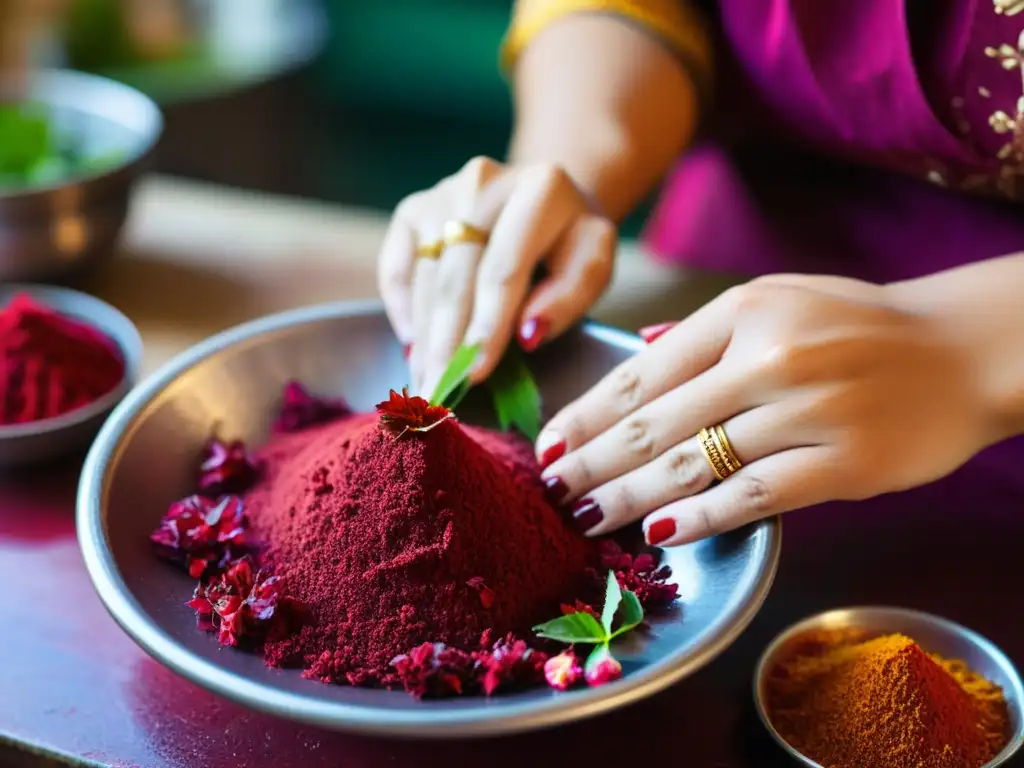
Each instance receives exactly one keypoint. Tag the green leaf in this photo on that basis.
(516, 397)
(632, 613)
(574, 628)
(25, 139)
(454, 380)
(612, 598)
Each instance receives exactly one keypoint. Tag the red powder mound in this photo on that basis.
(392, 542)
(51, 364)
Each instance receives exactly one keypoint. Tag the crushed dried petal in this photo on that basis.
(300, 409)
(639, 574)
(227, 468)
(243, 605)
(202, 534)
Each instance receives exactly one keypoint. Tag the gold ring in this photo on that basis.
(718, 451)
(456, 232)
(431, 250)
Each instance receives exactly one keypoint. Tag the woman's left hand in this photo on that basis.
(827, 388)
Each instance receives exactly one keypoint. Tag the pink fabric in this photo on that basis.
(893, 92)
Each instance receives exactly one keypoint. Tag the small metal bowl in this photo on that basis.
(36, 442)
(933, 633)
(55, 232)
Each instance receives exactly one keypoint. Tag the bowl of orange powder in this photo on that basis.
(881, 687)
(66, 359)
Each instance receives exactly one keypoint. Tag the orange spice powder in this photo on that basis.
(847, 699)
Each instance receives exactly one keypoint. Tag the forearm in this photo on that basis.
(980, 309)
(606, 101)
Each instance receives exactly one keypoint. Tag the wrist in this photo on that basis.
(978, 344)
(598, 165)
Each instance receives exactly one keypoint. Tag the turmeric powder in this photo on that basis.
(846, 699)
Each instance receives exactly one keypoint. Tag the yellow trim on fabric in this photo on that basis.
(672, 20)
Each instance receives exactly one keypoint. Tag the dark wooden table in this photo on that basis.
(71, 682)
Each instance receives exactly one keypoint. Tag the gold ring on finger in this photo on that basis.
(430, 251)
(457, 232)
(717, 450)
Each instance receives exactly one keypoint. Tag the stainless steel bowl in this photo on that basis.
(933, 633)
(54, 232)
(22, 445)
(145, 457)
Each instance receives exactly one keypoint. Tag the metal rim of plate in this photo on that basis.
(890, 612)
(469, 723)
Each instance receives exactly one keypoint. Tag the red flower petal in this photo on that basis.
(200, 534)
(244, 606)
(487, 597)
(227, 468)
(402, 413)
(301, 409)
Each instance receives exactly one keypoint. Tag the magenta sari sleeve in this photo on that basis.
(899, 122)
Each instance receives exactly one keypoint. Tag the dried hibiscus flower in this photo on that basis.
(640, 575)
(433, 670)
(509, 663)
(202, 534)
(403, 413)
(227, 468)
(301, 409)
(241, 604)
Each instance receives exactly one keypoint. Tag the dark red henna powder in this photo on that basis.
(392, 541)
(396, 549)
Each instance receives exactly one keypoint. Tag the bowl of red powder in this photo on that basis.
(260, 522)
(66, 359)
(877, 686)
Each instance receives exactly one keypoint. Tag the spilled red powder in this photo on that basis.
(51, 364)
(391, 542)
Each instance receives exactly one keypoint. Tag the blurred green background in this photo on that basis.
(354, 102)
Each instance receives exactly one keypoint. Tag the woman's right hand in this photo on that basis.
(484, 293)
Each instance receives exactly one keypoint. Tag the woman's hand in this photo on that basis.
(483, 293)
(827, 388)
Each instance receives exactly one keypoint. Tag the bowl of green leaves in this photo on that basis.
(72, 146)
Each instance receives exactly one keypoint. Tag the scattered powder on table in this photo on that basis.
(442, 536)
(849, 700)
(51, 364)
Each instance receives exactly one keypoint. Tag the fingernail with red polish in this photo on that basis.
(406, 351)
(586, 514)
(556, 489)
(532, 333)
(652, 332)
(552, 453)
(661, 530)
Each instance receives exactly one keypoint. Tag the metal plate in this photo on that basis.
(144, 458)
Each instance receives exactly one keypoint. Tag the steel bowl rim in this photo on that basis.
(129, 343)
(893, 611)
(421, 723)
(135, 160)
